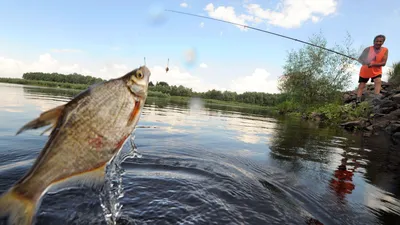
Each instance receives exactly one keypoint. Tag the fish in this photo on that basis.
(87, 133)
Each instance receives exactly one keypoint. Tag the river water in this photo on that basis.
(205, 164)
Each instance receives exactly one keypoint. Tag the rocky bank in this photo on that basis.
(385, 111)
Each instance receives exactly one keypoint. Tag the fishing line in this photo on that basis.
(261, 30)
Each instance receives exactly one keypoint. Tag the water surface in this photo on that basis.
(204, 164)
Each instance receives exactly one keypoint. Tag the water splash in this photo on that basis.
(112, 190)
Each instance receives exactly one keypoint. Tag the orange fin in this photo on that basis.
(46, 118)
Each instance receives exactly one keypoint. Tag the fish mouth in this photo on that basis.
(138, 91)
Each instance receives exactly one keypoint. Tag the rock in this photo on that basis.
(396, 137)
(351, 125)
(385, 110)
(388, 103)
(394, 115)
(349, 97)
(378, 115)
(370, 87)
(396, 98)
(370, 128)
(393, 128)
(385, 85)
(381, 124)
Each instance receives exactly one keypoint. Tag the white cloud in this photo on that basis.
(184, 5)
(228, 14)
(288, 14)
(258, 82)
(202, 24)
(66, 50)
(203, 65)
(45, 63)
(294, 12)
(177, 77)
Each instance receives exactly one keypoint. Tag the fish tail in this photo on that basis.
(20, 210)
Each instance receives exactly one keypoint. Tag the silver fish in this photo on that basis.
(88, 132)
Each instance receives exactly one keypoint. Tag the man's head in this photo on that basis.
(379, 40)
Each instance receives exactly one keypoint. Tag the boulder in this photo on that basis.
(351, 125)
(393, 127)
(396, 137)
(396, 98)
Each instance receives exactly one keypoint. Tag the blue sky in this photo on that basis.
(107, 39)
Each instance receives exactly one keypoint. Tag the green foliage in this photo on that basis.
(394, 74)
(172, 90)
(157, 94)
(61, 78)
(363, 110)
(313, 76)
(288, 106)
(335, 113)
(258, 98)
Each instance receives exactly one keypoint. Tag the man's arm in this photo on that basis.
(363, 57)
(384, 60)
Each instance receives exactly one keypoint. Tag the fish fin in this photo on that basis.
(134, 114)
(92, 179)
(50, 128)
(49, 117)
(20, 210)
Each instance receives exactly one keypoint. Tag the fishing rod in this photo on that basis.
(280, 35)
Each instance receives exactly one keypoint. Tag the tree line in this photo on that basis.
(62, 78)
(164, 89)
(258, 98)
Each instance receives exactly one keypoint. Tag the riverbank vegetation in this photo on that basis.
(314, 81)
(394, 74)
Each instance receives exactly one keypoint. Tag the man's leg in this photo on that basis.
(378, 85)
(362, 82)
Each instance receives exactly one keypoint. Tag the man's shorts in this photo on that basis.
(365, 80)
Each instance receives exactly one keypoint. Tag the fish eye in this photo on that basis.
(139, 74)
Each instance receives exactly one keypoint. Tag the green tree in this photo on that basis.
(314, 76)
(394, 74)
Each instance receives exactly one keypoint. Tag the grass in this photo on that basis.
(43, 83)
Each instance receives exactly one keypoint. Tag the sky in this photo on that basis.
(107, 39)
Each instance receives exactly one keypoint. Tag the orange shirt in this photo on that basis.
(366, 72)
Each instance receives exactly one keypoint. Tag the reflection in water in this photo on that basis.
(203, 162)
(342, 183)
